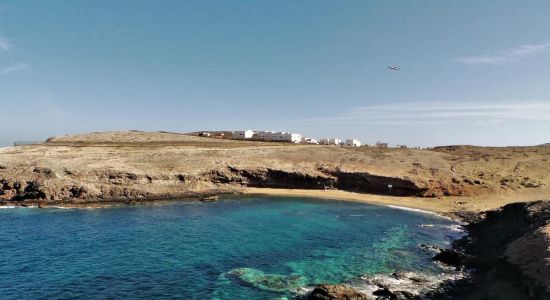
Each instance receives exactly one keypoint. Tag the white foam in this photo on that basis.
(417, 288)
(415, 210)
(421, 211)
(368, 284)
(452, 227)
(77, 207)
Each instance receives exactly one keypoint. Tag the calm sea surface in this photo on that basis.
(244, 248)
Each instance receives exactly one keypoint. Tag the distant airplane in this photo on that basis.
(395, 68)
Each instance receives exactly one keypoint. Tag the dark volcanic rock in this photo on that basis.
(333, 292)
(493, 276)
(273, 178)
(451, 257)
(33, 190)
(77, 192)
(374, 184)
(405, 295)
(327, 179)
(386, 294)
(468, 216)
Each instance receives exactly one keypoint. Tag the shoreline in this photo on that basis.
(458, 208)
(444, 206)
(411, 202)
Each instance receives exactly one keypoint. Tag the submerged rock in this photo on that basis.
(268, 282)
(339, 291)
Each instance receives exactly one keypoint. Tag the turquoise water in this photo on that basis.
(254, 248)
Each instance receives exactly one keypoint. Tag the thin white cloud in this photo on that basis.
(14, 68)
(429, 113)
(507, 56)
(4, 44)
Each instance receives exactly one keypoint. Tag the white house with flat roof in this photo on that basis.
(330, 141)
(277, 136)
(243, 134)
(268, 136)
(353, 143)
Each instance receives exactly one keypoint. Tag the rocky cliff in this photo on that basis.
(508, 253)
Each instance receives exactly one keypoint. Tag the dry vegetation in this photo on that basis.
(109, 166)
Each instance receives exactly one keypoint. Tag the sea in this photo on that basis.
(250, 247)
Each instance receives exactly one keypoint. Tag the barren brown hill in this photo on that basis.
(123, 165)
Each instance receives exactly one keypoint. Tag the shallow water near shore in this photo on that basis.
(241, 248)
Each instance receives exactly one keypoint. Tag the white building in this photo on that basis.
(310, 141)
(241, 135)
(353, 143)
(277, 136)
(269, 136)
(295, 137)
(330, 141)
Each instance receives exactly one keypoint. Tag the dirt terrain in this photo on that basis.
(133, 166)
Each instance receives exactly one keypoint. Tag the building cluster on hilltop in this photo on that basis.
(281, 136)
(288, 137)
(268, 136)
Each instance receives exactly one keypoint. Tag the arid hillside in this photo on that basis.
(132, 165)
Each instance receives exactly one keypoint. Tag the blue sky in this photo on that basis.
(472, 72)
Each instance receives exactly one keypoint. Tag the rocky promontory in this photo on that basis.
(505, 255)
(508, 253)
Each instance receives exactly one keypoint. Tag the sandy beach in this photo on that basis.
(443, 205)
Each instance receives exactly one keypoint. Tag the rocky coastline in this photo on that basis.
(505, 255)
(464, 182)
(494, 251)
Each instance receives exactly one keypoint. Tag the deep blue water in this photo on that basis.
(245, 248)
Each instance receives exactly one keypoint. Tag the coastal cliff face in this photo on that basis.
(508, 253)
(130, 165)
(531, 253)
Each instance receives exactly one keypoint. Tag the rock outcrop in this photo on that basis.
(451, 257)
(531, 253)
(507, 253)
(336, 292)
(322, 179)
